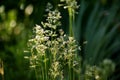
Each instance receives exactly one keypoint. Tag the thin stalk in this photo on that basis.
(46, 70)
(36, 74)
(43, 74)
(45, 67)
(78, 77)
(70, 21)
(73, 75)
(69, 65)
(42, 69)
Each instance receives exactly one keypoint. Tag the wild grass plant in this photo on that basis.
(54, 55)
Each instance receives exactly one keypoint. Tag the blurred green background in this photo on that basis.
(97, 22)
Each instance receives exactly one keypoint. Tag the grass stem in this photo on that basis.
(36, 74)
(69, 65)
(70, 22)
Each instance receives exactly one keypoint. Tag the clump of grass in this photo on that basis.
(53, 54)
(99, 72)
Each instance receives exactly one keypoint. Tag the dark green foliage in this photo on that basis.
(97, 26)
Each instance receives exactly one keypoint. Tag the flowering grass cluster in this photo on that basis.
(54, 55)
